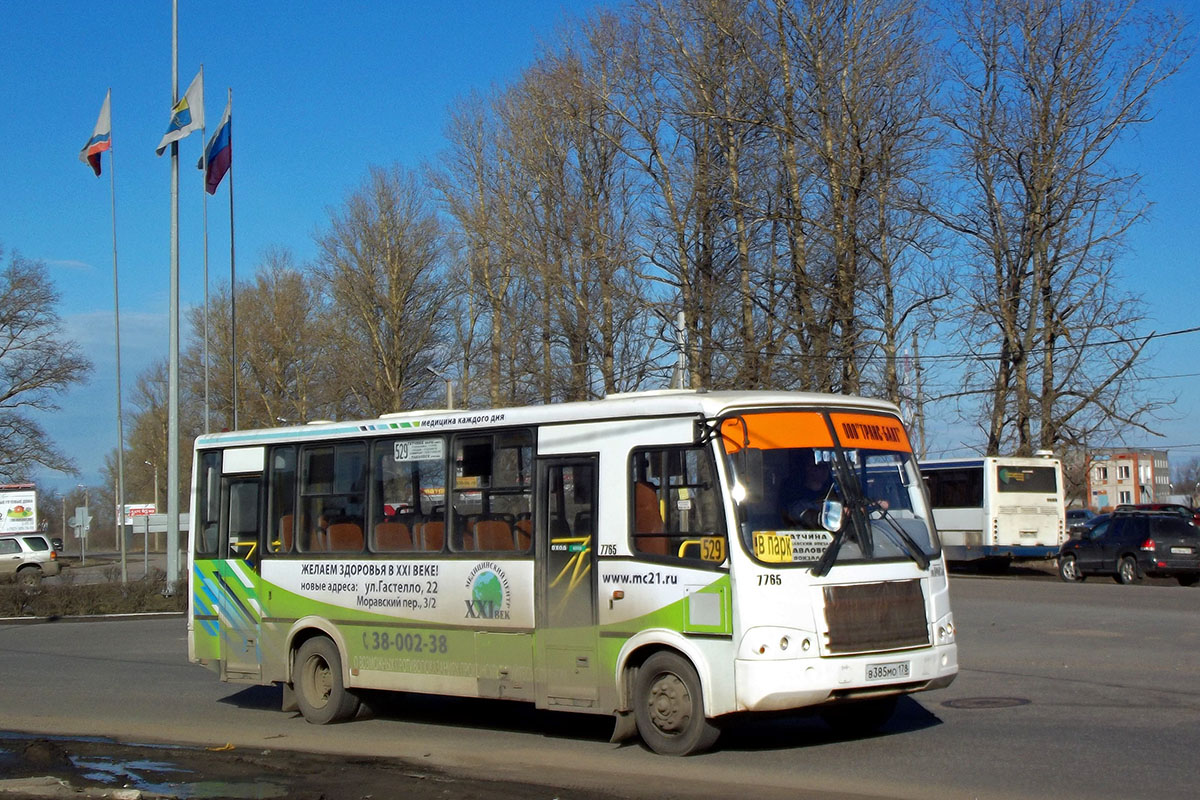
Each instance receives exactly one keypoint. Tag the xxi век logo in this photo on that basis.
(490, 593)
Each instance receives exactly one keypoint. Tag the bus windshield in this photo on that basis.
(788, 465)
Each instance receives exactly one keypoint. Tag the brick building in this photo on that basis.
(1118, 475)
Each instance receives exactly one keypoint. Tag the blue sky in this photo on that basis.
(322, 91)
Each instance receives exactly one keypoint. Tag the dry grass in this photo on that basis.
(83, 599)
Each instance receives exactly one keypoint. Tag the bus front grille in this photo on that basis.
(870, 617)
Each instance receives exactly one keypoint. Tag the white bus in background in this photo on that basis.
(997, 509)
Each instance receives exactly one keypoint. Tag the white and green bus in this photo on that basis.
(633, 556)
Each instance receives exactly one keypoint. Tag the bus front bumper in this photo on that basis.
(780, 684)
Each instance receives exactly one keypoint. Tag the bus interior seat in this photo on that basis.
(494, 534)
(523, 529)
(462, 533)
(315, 541)
(647, 519)
(433, 535)
(285, 533)
(345, 537)
(393, 536)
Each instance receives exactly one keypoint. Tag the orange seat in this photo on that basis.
(494, 534)
(647, 519)
(285, 534)
(393, 536)
(433, 535)
(524, 531)
(345, 537)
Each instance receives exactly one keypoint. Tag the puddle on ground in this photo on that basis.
(150, 776)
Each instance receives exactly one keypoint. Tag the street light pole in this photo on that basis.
(146, 535)
(83, 526)
(151, 464)
(449, 386)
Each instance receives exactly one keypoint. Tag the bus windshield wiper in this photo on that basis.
(896, 531)
(825, 562)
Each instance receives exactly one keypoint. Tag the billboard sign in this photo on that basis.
(18, 509)
(135, 510)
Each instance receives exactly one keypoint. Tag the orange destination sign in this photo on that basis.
(871, 431)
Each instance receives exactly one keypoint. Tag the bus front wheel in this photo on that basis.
(669, 707)
(317, 677)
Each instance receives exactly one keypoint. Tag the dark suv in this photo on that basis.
(1131, 544)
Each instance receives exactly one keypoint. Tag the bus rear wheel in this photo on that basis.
(317, 677)
(669, 707)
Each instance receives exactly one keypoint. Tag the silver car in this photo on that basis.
(29, 556)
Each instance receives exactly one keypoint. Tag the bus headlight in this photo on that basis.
(774, 642)
(945, 631)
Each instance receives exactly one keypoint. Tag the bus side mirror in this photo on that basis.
(831, 515)
(749, 465)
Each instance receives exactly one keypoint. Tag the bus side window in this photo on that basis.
(332, 497)
(281, 499)
(675, 505)
(209, 502)
(492, 497)
(242, 518)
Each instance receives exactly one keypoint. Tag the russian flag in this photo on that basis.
(219, 153)
(101, 137)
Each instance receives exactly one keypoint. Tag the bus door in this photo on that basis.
(567, 669)
(238, 606)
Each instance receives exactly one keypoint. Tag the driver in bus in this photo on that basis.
(811, 483)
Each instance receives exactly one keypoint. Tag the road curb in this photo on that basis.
(89, 617)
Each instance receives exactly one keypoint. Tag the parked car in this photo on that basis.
(29, 556)
(1080, 529)
(1131, 544)
(1077, 518)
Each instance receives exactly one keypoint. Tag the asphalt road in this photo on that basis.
(1070, 691)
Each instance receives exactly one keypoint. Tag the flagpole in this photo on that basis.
(232, 275)
(204, 197)
(173, 325)
(112, 191)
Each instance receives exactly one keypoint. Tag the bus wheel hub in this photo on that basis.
(670, 704)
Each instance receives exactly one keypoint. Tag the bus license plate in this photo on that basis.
(893, 671)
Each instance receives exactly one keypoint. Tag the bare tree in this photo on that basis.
(146, 434)
(1044, 89)
(470, 181)
(37, 363)
(284, 362)
(1186, 479)
(382, 262)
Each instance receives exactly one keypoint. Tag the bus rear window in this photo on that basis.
(1027, 479)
